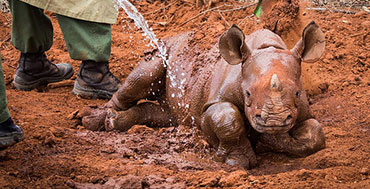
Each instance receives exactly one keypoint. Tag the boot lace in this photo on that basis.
(110, 74)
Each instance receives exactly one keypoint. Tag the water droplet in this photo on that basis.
(141, 23)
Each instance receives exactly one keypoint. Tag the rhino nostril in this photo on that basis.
(288, 120)
(259, 118)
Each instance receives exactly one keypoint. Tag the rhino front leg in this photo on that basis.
(224, 128)
(304, 139)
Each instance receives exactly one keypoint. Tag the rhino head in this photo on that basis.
(270, 78)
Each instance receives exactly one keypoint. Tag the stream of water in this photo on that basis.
(141, 23)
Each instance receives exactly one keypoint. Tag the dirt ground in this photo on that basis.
(58, 152)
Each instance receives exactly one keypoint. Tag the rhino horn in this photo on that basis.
(275, 83)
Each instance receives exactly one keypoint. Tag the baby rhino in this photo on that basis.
(244, 94)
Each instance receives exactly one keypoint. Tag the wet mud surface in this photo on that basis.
(59, 152)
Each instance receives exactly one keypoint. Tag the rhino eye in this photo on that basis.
(297, 94)
(248, 94)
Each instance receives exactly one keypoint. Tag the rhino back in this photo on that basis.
(263, 39)
(188, 77)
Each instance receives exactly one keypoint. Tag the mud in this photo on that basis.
(58, 152)
(282, 16)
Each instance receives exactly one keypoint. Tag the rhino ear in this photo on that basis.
(312, 44)
(233, 47)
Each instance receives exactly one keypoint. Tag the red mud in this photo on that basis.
(57, 152)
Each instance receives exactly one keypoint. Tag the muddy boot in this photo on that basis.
(10, 134)
(94, 80)
(35, 70)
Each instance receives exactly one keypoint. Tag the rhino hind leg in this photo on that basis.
(146, 81)
(146, 113)
(223, 125)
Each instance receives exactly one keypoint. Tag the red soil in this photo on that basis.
(58, 152)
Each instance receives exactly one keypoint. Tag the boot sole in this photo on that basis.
(22, 85)
(91, 93)
(10, 140)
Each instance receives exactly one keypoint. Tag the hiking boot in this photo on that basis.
(94, 80)
(10, 134)
(35, 70)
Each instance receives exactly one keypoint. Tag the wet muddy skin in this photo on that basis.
(59, 152)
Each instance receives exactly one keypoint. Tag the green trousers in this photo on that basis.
(32, 32)
(4, 112)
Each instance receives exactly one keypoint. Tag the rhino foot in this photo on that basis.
(93, 117)
(238, 157)
(304, 139)
(120, 120)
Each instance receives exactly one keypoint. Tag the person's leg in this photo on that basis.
(90, 42)
(86, 40)
(4, 112)
(32, 34)
(32, 31)
(9, 132)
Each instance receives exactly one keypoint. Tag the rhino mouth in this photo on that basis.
(273, 125)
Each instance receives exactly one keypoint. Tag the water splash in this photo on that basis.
(141, 23)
